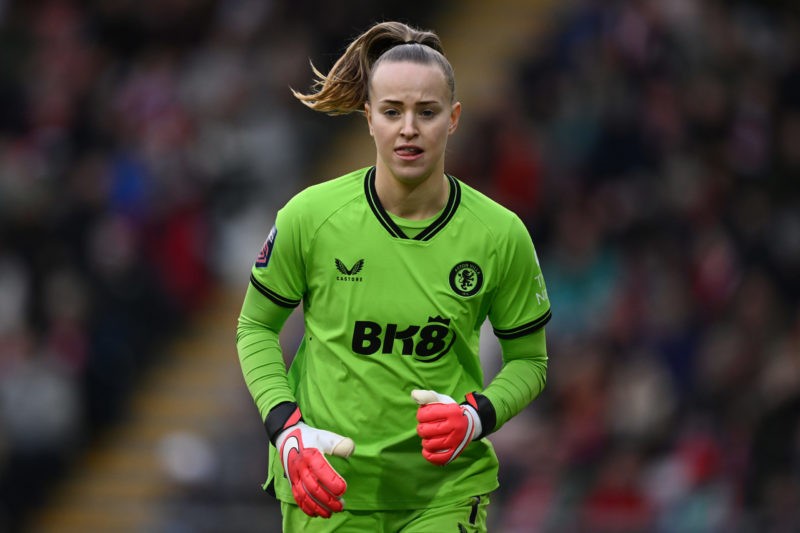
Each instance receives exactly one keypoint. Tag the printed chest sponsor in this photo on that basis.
(425, 340)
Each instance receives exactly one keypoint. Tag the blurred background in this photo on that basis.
(652, 148)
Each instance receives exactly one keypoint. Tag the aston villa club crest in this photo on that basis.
(466, 278)
(266, 251)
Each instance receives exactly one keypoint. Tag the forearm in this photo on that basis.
(522, 378)
(260, 354)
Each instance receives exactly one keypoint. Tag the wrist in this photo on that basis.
(477, 426)
(485, 413)
(281, 417)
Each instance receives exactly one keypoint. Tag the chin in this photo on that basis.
(411, 175)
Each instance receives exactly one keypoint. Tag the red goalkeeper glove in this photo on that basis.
(445, 426)
(316, 486)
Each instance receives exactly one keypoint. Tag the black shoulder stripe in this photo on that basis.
(272, 295)
(524, 329)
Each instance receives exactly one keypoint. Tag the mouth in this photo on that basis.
(409, 151)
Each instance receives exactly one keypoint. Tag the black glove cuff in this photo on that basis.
(280, 417)
(485, 410)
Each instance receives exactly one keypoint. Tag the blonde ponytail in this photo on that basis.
(345, 88)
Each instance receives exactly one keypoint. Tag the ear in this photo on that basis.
(455, 113)
(368, 114)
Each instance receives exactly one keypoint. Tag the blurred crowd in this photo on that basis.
(653, 148)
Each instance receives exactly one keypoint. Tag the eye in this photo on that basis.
(427, 113)
(391, 112)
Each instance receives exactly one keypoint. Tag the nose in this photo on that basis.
(409, 129)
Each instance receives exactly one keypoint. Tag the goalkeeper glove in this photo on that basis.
(445, 426)
(316, 486)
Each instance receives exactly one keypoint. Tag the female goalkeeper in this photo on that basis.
(397, 265)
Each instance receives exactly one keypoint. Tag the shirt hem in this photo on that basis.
(394, 505)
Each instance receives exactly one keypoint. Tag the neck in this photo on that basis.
(413, 200)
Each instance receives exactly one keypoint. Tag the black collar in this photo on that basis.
(453, 200)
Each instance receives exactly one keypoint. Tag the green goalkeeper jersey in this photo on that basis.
(391, 306)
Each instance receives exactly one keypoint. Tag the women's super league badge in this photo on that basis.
(266, 250)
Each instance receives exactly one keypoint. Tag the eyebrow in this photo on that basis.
(400, 102)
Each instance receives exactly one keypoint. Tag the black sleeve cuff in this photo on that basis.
(280, 417)
(485, 411)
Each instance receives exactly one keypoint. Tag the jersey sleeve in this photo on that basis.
(279, 270)
(521, 305)
(259, 350)
(277, 285)
(518, 314)
(521, 379)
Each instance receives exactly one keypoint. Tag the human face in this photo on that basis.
(410, 115)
